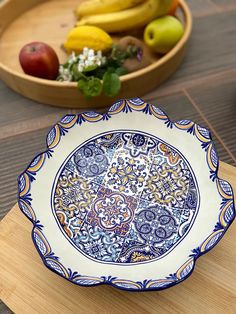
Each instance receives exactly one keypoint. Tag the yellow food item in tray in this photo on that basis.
(90, 7)
(131, 18)
(87, 36)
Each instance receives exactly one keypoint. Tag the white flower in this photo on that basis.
(65, 74)
(92, 58)
(82, 57)
(99, 54)
(86, 62)
(80, 67)
(90, 53)
(103, 60)
(85, 50)
(72, 58)
(87, 58)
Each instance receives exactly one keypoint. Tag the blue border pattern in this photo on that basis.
(226, 212)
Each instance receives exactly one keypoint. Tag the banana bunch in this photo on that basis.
(118, 16)
(104, 6)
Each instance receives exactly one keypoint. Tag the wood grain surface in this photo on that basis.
(203, 90)
(27, 286)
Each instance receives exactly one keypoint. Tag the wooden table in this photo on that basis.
(203, 90)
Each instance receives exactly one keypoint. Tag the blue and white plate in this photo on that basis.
(127, 198)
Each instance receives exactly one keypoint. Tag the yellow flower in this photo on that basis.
(121, 188)
(132, 161)
(113, 170)
(140, 179)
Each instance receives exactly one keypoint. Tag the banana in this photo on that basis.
(91, 7)
(130, 18)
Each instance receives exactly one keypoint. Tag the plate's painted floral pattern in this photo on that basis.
(125, 198)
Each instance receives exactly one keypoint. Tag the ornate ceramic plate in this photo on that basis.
(127, 198)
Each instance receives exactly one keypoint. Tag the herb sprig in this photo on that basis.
(96, 73)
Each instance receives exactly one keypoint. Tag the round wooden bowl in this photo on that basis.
(23, 21)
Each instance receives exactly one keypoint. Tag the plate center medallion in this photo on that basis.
(125, 198)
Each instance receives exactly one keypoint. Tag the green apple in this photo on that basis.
(163, 33)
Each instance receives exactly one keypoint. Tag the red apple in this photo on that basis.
(40, 60)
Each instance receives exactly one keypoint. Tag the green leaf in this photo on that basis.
(66, 65)
(91, 87)
(90, 68)
(111, 69)
(76, 74)
(121, 71)
(111, 84)
(82, 85)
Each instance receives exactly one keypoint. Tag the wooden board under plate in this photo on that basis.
(27, 286)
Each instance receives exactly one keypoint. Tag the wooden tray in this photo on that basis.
(27, 286)
(23, 21)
